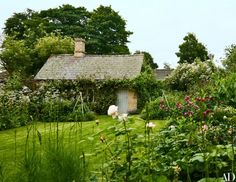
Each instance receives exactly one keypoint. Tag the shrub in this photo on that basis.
(225, 90)
(200, 133)
(186, 76)
(161, 108)
(14, 82)
(147, 88)
(13, 110)
(156, 110)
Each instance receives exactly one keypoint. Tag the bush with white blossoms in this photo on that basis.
(14, 108)
(187, 75)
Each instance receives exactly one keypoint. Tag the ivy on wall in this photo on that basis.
(99, 94)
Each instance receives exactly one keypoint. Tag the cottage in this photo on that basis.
(98, 67)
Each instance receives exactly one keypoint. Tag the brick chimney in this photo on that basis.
(79, 47)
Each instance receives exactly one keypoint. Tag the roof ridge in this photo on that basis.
(101, 55)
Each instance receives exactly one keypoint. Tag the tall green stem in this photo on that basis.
(128, 153)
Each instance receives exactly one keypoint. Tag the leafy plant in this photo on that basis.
(187, 76)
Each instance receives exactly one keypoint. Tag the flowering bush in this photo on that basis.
(14, 107)
(49, 105)
(156, 110)
(187, 75)
(160, 108)
(19, 107)
(200, 133)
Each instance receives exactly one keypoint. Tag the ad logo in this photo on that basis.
(229, 177)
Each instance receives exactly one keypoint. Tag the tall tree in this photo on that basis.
(107, 32)
(191, 49)
(103, 29)
(67, 20)
(229, 61)
(24, 25)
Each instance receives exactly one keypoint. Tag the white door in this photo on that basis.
(122, 101)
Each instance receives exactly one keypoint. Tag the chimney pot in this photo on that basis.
(79, 47)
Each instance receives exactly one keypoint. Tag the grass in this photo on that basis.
(84, 137)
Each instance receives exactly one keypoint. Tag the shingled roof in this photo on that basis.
(97, 67)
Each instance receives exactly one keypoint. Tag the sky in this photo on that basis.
(158, 26)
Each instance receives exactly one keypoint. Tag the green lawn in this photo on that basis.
(85, 136)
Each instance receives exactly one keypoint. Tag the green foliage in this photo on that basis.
(45, 152)
(17, 56)
(66, 19)
(55, 108)
(147, 61)
(103, 29)
(24, 25)
(156, 110)
(161, 108)
(51, 163)
(13, 110)
(225, 89)
(14, 82)
(147, 87)
(196, 141)
(229, 61)
(72, 100)
(99, 95)
(130, 156)
(191, 49)
(52, 45)
(187, 76)
(106, 32)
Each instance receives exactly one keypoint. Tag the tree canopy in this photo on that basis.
(67, 20)
(191, 49)
(32, 36)
(103, 29)
(229, 61)
(25, 24)
(106, 32)
(18, 57)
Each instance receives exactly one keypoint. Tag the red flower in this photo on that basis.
(206, 112)
(189, 114)
(179, 106)
(198, 99)
(187, 98)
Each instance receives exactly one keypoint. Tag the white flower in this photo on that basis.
(123, 117)
(25, 89)
(26, 99)
(225, 117)
(150, 125)
(113, 111)
(204, 127)
(172, 127)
